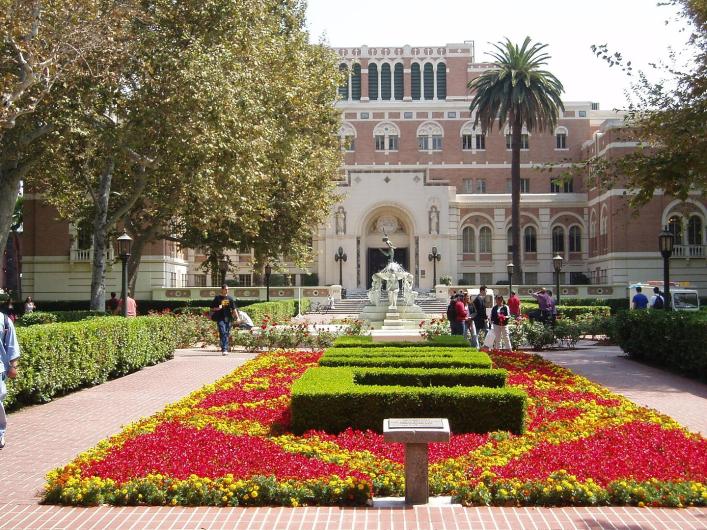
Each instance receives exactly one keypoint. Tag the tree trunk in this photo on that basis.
(100, 235)
(9, 191)
(516, 129)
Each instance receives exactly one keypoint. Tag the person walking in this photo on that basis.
(461, 314)
(657, 300)
(132, 307)
(640, 300)
(470, 334)
(223, 310)
(514, 304)
(499, 318)
(552, 309)
(479, 314)
(9, 355)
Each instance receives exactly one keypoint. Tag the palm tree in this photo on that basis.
(516, 90)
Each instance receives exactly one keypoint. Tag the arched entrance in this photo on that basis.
(397, 224)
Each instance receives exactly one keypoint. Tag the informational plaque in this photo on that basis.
(415, 423)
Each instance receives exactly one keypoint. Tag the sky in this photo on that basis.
(636, 28)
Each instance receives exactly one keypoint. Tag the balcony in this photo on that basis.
(689, 251)
(86, 255)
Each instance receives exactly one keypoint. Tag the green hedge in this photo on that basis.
(51, 317)
(366, 341)
(675, 339)
(431, 377)
(329, 399)
(420, 357)
(58, 358)
(567, 311)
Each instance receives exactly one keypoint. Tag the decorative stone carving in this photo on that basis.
(434, 220)
(387, 224)
(340, 217)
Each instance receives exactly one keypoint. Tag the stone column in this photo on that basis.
(416, 474)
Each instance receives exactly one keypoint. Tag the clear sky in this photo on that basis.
(636, 28)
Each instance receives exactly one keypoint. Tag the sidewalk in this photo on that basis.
(46, 436)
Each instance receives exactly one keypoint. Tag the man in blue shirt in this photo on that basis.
(9, 353)
(640, 300)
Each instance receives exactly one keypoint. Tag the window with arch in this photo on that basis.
(347, 137)
(558, 240)
(356, 82)
(530, 239)
(468, 246)
(524, 141)
(398, 82)
(561, 138)
(429, 137)
(472, 138)
(386, 136)
(344, 87)
(372, 81)
(415, 81)
(441, 81)
(575, 239)
(675, 228)
(429, 81)
(386, 79)
(485, 240)
(694, 230)
(603, 222)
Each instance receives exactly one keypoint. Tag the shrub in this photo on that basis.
(36, 317)
(567, 311)
(57, 358)
(410, 357)
(329, 399)
(366, 341)
(437, 327)
(431, 377)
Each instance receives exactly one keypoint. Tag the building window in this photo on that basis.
(467, 278)
(393, 142)
(441, 81)
(467, 142)
(373, 81)
(575, 239)
(415, 81)
(398, 81)
(468, 185)
(524, 141)
(436, 142)
(530, 240)
(245, 280)
(429, 81)
(531, 278)
(84, 238)
(485, 240)
(582, 113)
(675, 228)
(385, 82)
(356, 82)
(468, 240)
(172, 279)
(561, 186)
(349, 143)
(694, 231)
(344, 88)
(481, 141)
(524, 185)
(558, 240)
(380, 142)
(407, 115)
(423, 143)
(452, 114)
(480, 185)
(485, 278)
(364, 115)
(561, 141)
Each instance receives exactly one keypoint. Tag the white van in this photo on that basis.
(681, 298)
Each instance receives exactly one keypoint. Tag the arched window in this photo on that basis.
(558, 240)
(385, 81)
(575, 239)
(398, 81)
(675, 228)
(472, 138)
(468, 240)
(485, 240)
(530, 239)
(356, 82)
(347, 137)
(429, 136)
(344, 87)
(386, 136)
(372, 81)
(441, 81)
(429, 81)
(694, 231)
(415, 81)
(561, 138)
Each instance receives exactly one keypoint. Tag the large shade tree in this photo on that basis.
(518, 91)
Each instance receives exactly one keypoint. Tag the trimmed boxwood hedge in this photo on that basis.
(328, 399)
(58, 358)
(431, 377)
(392, 357)
(366, 341)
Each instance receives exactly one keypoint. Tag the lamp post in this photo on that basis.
(125, 243)
(224, 268)
(434, 257)
(340, 256)
(268, 271)
(665, 243)
(557, 265)
(510, 268)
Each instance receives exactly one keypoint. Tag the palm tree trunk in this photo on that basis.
(516, 129)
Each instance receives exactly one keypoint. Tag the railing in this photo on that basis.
(689, 251)
(78, 254)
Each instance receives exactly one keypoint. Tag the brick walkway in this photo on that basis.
(46, 436)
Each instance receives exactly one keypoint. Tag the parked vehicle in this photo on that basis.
(682, 298)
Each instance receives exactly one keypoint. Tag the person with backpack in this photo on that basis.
(500, 315)
(9, 355)
(479, 314)
(657, 300)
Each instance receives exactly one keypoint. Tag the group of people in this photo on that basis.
(114, 305)
(640, 300)
(547, 310)
(9, 308)
(469, 318)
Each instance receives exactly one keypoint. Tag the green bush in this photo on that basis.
(431, 377)
(675, 339)
(574, 311)
(329, 399)
(36, 317)
(366, 341)
(51, 317)
(420, 357)
(58, 358)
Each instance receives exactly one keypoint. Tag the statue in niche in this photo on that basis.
(340, 217)
(434, 220)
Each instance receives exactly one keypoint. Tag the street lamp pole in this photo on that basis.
(268, 272)
(125, 243)
(557, 265)
(510, 268)
(340, 256)
(666, 241)
(434, 257)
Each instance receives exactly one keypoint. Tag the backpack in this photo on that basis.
(452, 311)
(659, 302)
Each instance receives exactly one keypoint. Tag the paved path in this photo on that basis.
(46, 436)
